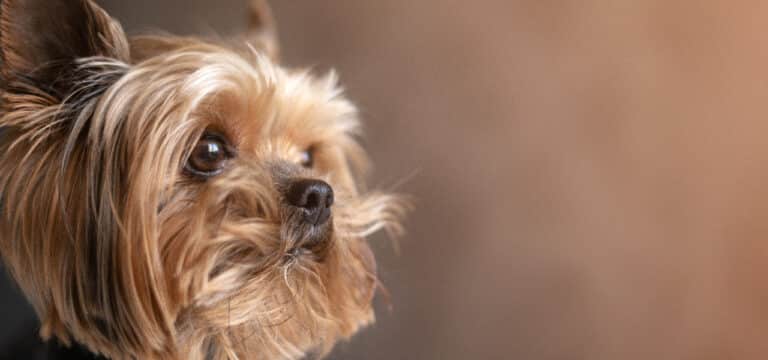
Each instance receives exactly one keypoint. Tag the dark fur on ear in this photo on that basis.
(261, 36)
(262, 29)
(41, 39)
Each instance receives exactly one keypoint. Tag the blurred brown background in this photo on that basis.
(590, 175)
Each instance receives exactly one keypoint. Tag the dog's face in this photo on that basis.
(172, 198)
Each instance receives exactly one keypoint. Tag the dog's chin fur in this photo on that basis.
(120, 249)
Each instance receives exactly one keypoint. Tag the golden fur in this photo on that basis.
(118, 249)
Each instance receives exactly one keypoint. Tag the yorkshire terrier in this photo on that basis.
(178, 198)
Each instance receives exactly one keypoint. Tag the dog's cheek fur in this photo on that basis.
(66, 240)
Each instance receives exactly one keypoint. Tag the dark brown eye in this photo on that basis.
(308, 157)
(208, 157)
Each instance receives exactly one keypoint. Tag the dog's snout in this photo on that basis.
(314, 197)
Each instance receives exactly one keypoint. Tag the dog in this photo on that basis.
(180, 198)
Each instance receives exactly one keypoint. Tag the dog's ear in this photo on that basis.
(40, 39)
(262, 30)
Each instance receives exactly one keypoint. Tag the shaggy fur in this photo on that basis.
(122, 250)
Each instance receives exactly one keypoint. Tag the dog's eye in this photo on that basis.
(308, 157)
(208, 157)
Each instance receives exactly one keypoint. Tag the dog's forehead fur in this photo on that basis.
(264, 109)
(256, 88)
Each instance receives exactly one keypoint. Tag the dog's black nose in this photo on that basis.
(314, 197)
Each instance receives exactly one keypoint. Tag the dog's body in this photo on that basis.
(172, 198)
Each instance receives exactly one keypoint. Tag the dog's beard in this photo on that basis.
(244, 280)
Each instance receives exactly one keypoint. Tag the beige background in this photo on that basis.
(589, 175)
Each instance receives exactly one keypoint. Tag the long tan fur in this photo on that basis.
(118, 250)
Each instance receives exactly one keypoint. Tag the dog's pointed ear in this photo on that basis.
(262, 29)
(40, 38)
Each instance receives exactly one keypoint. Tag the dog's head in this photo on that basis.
(174, 198)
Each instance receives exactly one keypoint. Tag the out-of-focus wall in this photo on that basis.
(590, 175)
